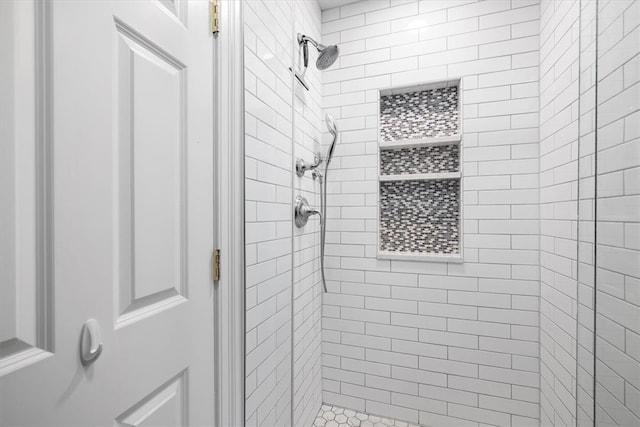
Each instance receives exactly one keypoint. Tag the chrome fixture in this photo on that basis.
(327, 55)
(300, 79)
(333, 130)
(302, 166)
(303, 211)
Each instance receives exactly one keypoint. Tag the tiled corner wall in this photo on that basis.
(283, 301)
(307, 298)
(436, 343)
(268, 180)
(589, 174)
(618, 215)
(585, 375)
(559, 102)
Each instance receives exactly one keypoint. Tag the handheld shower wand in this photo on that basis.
(302, 210)
(333, 129)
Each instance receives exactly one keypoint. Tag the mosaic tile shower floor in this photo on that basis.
(335, 416)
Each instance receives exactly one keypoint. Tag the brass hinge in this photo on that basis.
(216, 264)
(215, 15)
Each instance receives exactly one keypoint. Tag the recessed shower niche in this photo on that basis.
(419, 170)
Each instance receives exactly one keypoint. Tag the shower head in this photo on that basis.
(327, 55)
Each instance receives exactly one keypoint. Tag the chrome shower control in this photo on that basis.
(302, 166)
(303, 211)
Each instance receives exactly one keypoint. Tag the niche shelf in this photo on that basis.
(420, 176)
(420, 142)
(419, 173)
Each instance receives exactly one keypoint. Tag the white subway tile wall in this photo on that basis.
(586, 215)
(505, 338)
(568, 152)
(307, 299)
(559, 101)
(436, 343)
(618, 215)
(268, 48)
(283, 298)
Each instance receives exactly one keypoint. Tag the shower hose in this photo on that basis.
(323, 221)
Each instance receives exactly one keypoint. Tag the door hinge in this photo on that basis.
(216, 264)
(215, 17)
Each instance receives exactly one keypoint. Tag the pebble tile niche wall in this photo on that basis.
(419, 172)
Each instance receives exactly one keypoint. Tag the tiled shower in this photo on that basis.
(483, 214)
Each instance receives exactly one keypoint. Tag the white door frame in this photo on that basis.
(229, 199)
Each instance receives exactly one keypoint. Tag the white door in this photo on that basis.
(106, 212)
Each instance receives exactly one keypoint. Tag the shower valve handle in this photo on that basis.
(303, 211)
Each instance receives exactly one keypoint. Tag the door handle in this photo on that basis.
(90, 345)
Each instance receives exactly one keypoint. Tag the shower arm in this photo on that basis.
(306, 39)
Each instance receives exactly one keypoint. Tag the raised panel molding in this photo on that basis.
(177, 8)
(151, 178)
(165, 406)
(26, 297)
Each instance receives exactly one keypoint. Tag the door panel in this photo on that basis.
(132, 216)
(178, 8)
(26, 290)
(151, 130)
(166, 406)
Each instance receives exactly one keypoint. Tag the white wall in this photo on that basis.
(436, 343)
